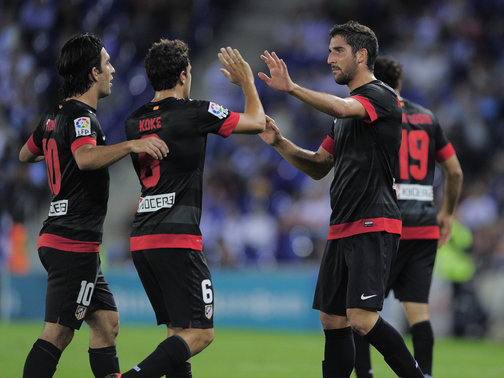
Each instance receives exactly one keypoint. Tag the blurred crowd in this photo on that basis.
(257, 209)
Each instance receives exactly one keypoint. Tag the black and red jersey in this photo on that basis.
(79, 198)
(365, 158)
(169, 209)
(423, 143)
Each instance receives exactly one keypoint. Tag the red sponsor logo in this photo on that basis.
(150, 124)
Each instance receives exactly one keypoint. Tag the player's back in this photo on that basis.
(171, 194)
(423, 143)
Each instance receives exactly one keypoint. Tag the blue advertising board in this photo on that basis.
(251, 298)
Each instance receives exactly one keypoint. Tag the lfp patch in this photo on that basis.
(217, 110)
(82, 126)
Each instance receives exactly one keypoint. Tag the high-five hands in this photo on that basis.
(271, 135)
(279, 78)
(236, 69)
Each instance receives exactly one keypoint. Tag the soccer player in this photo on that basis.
(71, 141)
(166, 240)
(424, 229)
(362, 146)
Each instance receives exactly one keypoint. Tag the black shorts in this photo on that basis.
(411, 273)
(354, 272)
(179, 286)
(76, 286)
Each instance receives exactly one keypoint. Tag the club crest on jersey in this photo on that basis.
(208, 311)
(82, 126)
(80, 312)
(217, 110)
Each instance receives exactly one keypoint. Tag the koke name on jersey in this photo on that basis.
(150, 124)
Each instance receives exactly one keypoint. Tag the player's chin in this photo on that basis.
(105, 93)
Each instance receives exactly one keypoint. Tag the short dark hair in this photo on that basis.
(358, 37)
(388, 70)
(165, 61)
(76, 59)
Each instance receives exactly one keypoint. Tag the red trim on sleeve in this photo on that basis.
(158, 241)
(34, 149)
(82, 141)
(420, 232)
(68, 245)
(229, 124)
(445, 153)
(370, 109)
(363, 226)
(328, 145)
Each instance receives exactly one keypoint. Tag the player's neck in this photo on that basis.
(89, 98)
(166, 93)
(362, 77)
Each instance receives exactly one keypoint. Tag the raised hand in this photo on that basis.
(280, 79)
(236, 69)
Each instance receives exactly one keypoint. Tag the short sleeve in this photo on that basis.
(34, 143)
(378, 101)
(444, 149)
(216, 119)
(84, 128)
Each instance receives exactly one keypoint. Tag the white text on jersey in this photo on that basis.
(154, 203)
(58, 208)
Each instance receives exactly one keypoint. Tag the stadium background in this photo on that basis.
(264, 224)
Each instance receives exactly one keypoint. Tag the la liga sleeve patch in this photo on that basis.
(82, 126)
(217, 110)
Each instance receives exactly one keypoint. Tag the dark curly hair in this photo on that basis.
(165, 61)
(358, 37)
(388, 70)
(76, 59)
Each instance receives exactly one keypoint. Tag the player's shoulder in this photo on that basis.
(170, 104)
(76, 110)
(375, 88)
(416, 108)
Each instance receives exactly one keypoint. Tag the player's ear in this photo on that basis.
(362, 55)
(94, 73)
(183, 77)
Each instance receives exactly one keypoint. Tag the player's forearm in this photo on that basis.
(98, 157)
(333, 105)
(303, 160)
(452, 187)
(254, 110)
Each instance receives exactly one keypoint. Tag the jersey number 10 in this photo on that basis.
(53, 165)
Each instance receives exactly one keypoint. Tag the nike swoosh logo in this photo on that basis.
(364, 297)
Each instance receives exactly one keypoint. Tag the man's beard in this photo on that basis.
(346, 77)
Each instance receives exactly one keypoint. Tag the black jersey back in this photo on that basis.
(79, 198)
(423, 143)
(169, 209)
(365, 158)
